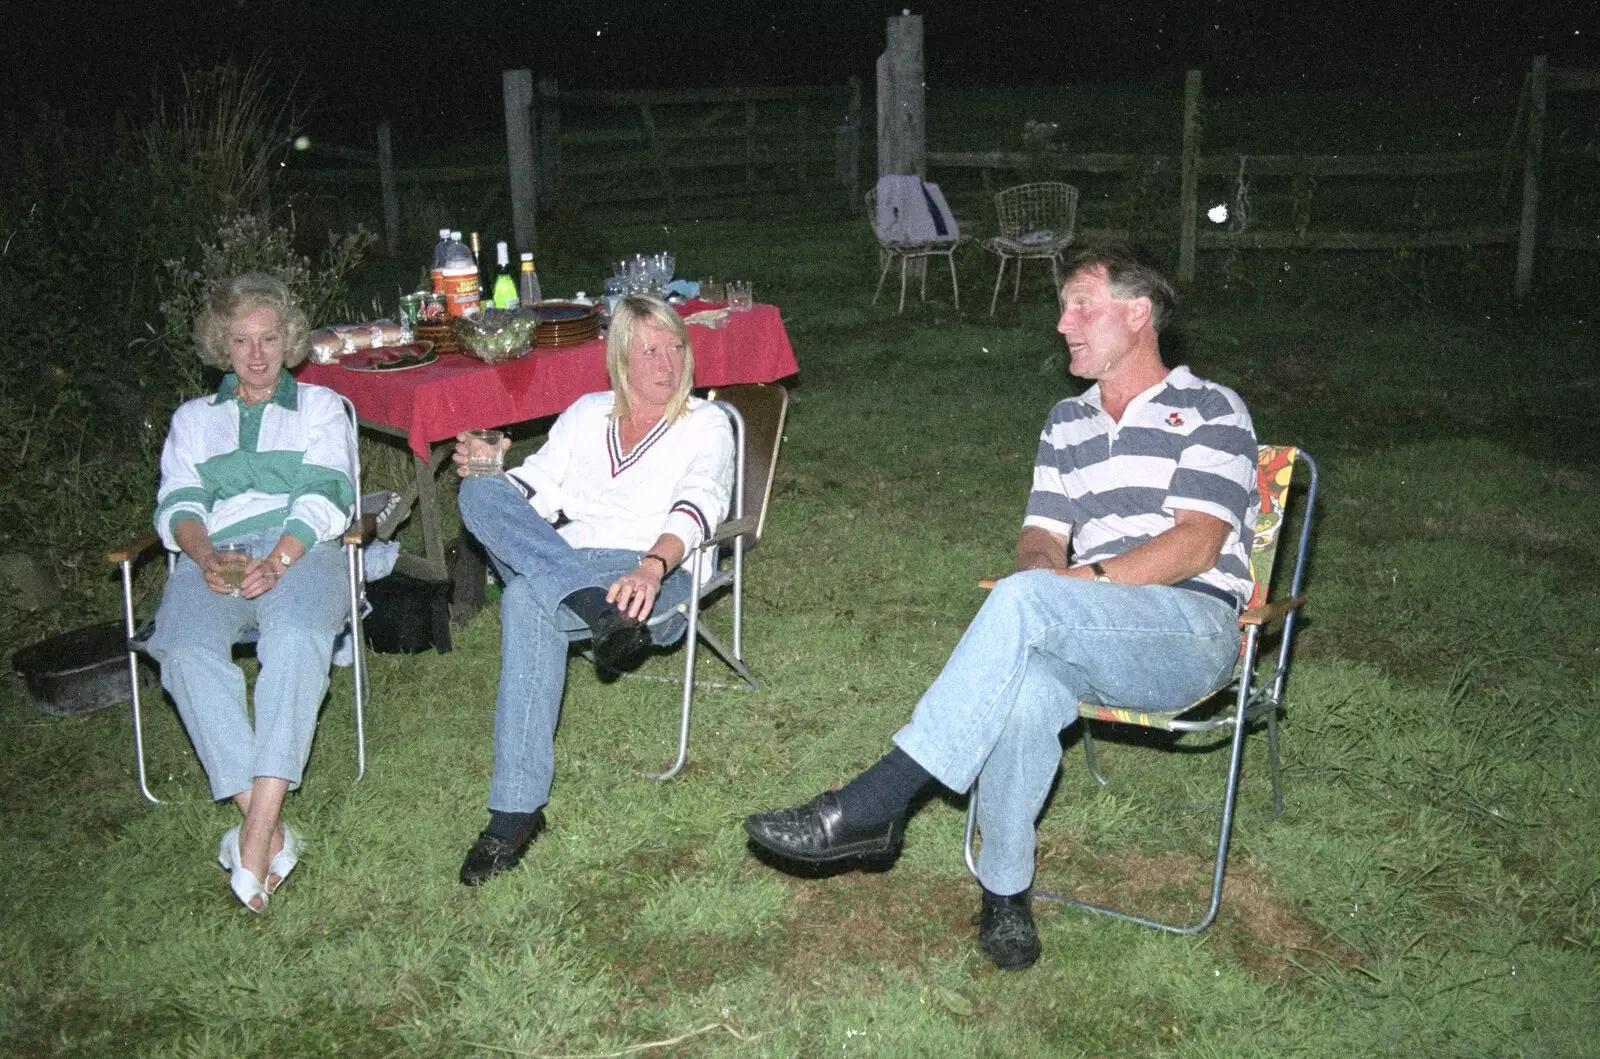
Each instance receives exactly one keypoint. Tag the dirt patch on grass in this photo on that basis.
(1257, 924)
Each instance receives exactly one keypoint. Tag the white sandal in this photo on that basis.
(246, 887)
(284, 860)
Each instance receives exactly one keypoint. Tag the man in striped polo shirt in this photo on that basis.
(1132, 567)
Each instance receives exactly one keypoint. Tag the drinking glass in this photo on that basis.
(739, 297)
(235, 557)
(484, 458)
(711, 290)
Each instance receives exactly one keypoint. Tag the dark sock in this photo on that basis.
(884, 791)
(509, 826)
(589, 604)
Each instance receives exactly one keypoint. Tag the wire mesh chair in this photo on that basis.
(1036, 221)
(908, 215)
(1254, 698)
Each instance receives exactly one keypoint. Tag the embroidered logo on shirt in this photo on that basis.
(1174, 419)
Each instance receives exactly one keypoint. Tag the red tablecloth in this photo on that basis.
(458, 392)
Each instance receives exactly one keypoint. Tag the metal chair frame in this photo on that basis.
(1253, 698)
(889, 253)
(138, 633)
(742, 531)
(1030, 210)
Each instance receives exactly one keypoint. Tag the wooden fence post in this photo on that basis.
(548, 117)
(391, 196)
(902, 118)
(1538, 82)
(1190, 177)
(517, 91)
(850, 162)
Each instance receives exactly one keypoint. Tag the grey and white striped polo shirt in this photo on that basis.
(1185, 443)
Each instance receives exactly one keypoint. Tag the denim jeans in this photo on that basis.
(297, 620)
(1040, 644)
(540, 569)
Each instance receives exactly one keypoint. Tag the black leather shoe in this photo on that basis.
(620, 643)
(1006, 933)
(491, 854)
(816, 833)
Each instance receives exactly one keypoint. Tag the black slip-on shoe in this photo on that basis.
(817, 833)
(491, 854)
(1006, 933)
(620, 643)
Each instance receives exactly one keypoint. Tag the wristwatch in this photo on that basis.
(1100, 573)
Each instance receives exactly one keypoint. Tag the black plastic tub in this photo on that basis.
(79, 671)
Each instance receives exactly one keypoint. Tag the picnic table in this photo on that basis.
(428, 406)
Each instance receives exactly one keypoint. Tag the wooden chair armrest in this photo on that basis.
(134, 548)
(1271, 612)
(361, 532)
(734, 527)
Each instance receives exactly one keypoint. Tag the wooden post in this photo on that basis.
(391, 196)
(549, 141)
(852, 161)
(652, 143)
(902, 118)
(517, 91)
(1538, 83)
(1189, 177)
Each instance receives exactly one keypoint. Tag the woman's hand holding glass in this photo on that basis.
(479, 450)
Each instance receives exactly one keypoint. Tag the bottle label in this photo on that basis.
(461, 294)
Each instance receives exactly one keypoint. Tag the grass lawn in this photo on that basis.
(1433, 888)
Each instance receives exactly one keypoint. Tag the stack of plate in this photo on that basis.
(565, 324)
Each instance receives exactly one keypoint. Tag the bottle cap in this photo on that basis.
(444, 233)
(527, 255)
(455, 234)
(500, 255)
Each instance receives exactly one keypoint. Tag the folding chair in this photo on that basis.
(1036, 222)
(363, 528)
(1254, 697)
(757, 412)
(912, 222)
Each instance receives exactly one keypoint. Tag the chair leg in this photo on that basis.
(1016, 283)
(955, 288)
(358, 655)
(1088, 752)
(133, 682)
(999, 277)
(902, 285)
(883, 274)
(692, 637)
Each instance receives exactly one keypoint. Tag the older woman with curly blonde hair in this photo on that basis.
(267, 465)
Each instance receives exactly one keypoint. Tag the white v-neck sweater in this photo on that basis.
(677, 479)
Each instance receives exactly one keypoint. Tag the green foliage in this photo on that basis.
(110, 239)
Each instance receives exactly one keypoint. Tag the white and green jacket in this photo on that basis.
(286, 462)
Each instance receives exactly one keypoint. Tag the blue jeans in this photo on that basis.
(540, 569)
(1040, 644)
(297, 620)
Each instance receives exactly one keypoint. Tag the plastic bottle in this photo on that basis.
(441, 252)
(505, 288)
(529, 293)
(460, 273)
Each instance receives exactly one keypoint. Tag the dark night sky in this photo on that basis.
(371, 55)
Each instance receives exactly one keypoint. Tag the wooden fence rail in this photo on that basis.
(1191, 166)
